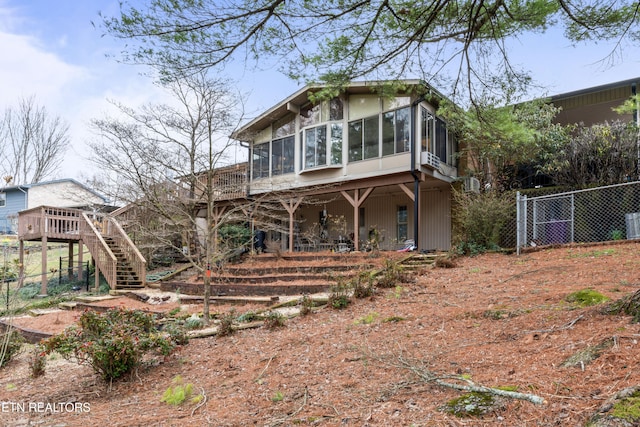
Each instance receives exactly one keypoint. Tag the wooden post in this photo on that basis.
(43, 283)
(80, 254)
(97, 277)
(70, 263)
(21, 266)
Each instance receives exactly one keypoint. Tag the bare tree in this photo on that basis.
(32, 142)
(166, 159)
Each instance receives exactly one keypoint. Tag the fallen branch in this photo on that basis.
(418, 368)
(204, 400)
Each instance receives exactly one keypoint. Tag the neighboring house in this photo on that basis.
(383, 165)
(594, 105)
(62, 193)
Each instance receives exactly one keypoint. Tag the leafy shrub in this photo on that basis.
(363, 285)
(274, 320)
(179, 392)
(10, 344)
(112, 343)
(306, 305)
(37, 362)
(225, 327)
(391, 274)
(479, 219)
(339, 294)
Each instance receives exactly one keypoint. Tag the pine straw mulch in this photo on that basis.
(498, 320)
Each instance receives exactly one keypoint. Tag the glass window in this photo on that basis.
(403, 129)
(371, 137)
(3, 199)
(336, 109)
(310, 115)
(282, 151)
(402, 221)
(388, 133)
(364, 139)
(426, 130)
(260, 161)
(441, 140)
(336, 143)
(285, 126)
(355, 141)
(315, 147)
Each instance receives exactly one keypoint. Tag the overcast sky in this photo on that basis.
(50, 49)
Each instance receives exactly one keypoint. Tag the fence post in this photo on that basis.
(518, 223)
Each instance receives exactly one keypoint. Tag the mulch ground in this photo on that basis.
(495, 320)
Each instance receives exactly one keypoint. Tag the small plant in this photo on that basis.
(339, 294)
(278, 396)
(10, 345)
(177, 393)
(112, 343)
(586, 298)
(394, 319)
(363, 285)
(391, 275)
(617, 235)
(368, 319)
(274, 320)
(177, 333)
(194, 322)
(225, 327)
(174, 311)
(306, 305)
(37, 361)
(249, 316)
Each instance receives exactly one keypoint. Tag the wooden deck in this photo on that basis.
(99, 232)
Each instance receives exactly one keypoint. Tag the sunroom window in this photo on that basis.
(363, 139)
(282, 153)
(395, 131)
(321, 136)
(260, 161)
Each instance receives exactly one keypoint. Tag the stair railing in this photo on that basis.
(112, 229)
(105, 259)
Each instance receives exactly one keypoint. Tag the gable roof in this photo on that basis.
(26, 187)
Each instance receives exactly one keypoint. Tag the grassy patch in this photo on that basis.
(586, 298)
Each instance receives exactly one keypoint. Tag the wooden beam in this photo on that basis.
(407, 191)
(291, 206)
(43, 277)
(356, 201)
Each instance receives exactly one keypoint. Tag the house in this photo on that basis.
(595, 104)
(378, 168)
(62, 193)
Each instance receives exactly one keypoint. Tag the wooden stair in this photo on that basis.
(126, 277)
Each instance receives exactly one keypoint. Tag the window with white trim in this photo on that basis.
(3, 200)
(321, 135)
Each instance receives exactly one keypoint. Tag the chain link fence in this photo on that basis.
(592, 215)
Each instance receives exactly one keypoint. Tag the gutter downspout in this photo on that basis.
(414, 173)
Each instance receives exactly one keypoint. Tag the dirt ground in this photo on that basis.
(496, 320)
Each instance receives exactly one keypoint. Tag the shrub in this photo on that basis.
(274, 320)
(37, 362)
(391, 275)
(363, 285)
(479, 219)
(112, 343)
(10, 344)
(306, 305)
(179, 392)
(339, 294)
(225, 327)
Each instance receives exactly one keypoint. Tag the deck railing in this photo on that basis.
(111, 228)
(54, 223)
(105, 259)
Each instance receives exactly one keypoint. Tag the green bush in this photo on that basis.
(10, 344)
(112, 343)
(274, 320)
(479, 219)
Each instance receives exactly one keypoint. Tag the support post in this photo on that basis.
(43, 280)
(80, 256)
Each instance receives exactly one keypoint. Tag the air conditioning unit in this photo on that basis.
(471, 185)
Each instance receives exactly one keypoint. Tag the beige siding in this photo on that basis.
(436, 224)
(61, 194)
(380, 212)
